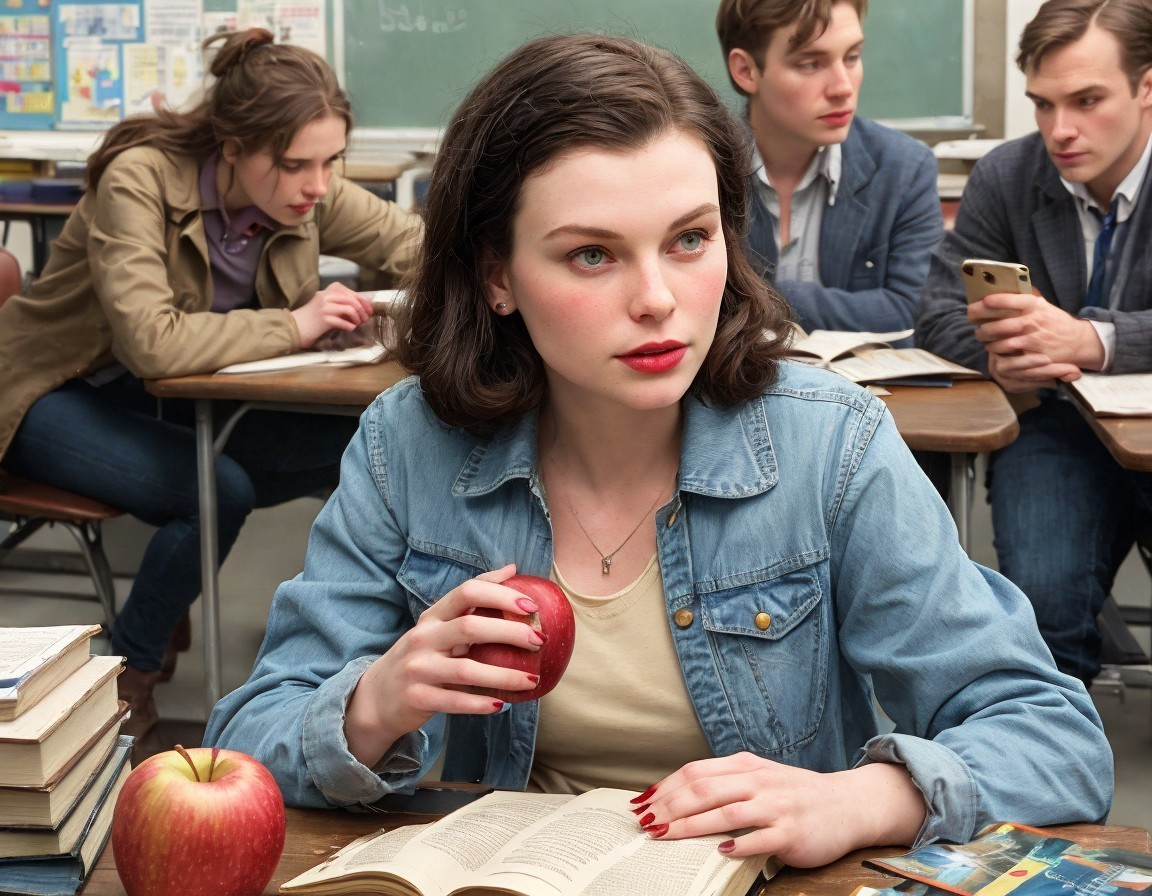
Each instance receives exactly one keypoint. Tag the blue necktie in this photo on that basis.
(1095, 295)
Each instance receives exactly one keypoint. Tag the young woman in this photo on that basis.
(195, 246)
(748, 546)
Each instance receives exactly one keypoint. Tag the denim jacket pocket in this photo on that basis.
(770, 643)
(428, 577)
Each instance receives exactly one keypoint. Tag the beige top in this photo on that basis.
(621, 715)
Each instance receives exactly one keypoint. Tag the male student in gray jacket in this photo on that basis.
(845, 211)
(1074, 203)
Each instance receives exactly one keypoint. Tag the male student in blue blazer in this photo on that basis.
(1074, 203)
(846, 211)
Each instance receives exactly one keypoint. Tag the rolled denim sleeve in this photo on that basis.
(326, 627)
(986, 725)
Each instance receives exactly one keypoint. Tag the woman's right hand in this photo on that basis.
(334, 308)
(427, 671)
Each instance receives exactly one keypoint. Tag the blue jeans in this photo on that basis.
(1065, 515)
(123, 446)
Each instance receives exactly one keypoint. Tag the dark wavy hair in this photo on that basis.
(553, 96)
(261, 95)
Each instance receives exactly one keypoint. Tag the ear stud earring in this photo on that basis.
(501, 307)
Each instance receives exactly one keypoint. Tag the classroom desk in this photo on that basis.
(37, 215)
(314, 835)
(967, 418)
(1128, 439)
(312, 390)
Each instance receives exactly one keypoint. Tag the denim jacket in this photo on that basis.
(803, 505)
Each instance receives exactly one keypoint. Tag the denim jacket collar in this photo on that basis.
(708, 465)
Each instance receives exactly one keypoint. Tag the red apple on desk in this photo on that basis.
(200, 822)
(554, 621)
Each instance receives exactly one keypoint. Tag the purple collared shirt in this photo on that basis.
(234, 244)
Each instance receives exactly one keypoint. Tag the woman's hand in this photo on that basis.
(426, 670)
(804, 818)
(334, 308)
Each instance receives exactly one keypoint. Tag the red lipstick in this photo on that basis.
(655, 357)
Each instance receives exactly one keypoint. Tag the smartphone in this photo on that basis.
(983, 277)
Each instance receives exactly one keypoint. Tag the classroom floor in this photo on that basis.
(271, 547)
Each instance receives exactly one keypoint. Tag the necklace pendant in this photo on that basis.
(606, 565)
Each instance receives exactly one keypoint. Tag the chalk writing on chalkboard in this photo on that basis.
(400, 18)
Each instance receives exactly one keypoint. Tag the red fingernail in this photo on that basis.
(647, 820)
(497, 705)
(644, 796)
(727, 846)
(537, 638)
(528, 606)
(656, 831)
(533, 678)
(640, 809)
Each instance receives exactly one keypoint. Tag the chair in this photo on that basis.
(1123, 661)
(31, 505)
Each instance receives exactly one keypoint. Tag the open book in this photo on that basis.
(532, 844)
(1013, 860)
(367, 344)
(868, 358)
(34, 660)
(1115, 395)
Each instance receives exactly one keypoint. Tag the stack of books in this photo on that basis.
(62, 758)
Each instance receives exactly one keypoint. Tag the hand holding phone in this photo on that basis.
(984, 277)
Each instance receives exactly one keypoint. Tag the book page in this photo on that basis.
(594, 847)
(827, 345)
(24, 649)
(896, 363)
(1121, 395)
(365, 354)
(437, 858)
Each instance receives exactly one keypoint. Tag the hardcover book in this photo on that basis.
(34, 660)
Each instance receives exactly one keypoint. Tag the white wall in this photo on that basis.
(1018, 118)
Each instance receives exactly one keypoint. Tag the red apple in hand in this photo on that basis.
(554, 621)
(201, 822)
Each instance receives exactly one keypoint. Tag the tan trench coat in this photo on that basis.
(128, 279)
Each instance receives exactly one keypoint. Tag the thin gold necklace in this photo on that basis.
(606, 559)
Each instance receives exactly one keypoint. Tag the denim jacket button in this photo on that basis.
(763, 621)
(684, 618)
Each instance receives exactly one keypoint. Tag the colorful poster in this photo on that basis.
(27, 98)
(89, 38)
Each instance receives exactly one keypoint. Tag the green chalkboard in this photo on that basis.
(408, 63)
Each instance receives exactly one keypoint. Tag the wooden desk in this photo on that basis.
(310, 390)
(313, 835)
(965, 419)
(1128, 439)
(37, 215)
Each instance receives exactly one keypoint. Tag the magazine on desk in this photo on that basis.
(533, 844)
(1115, 395)
(368, 344)
(1014, 860)
(870, 358)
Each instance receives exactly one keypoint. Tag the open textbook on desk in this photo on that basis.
(533, 844)
(368, 344)
(1115, 395)
(869, 358)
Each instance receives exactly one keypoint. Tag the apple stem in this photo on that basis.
(188, 759)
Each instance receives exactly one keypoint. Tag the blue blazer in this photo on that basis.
(1015, 208)
(875, 241)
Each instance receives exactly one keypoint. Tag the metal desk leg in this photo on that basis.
(209, 582)
(960, 498)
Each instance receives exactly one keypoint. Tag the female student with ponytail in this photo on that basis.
(195, 245)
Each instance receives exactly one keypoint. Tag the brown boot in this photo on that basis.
(180, 641)
(135, 688)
